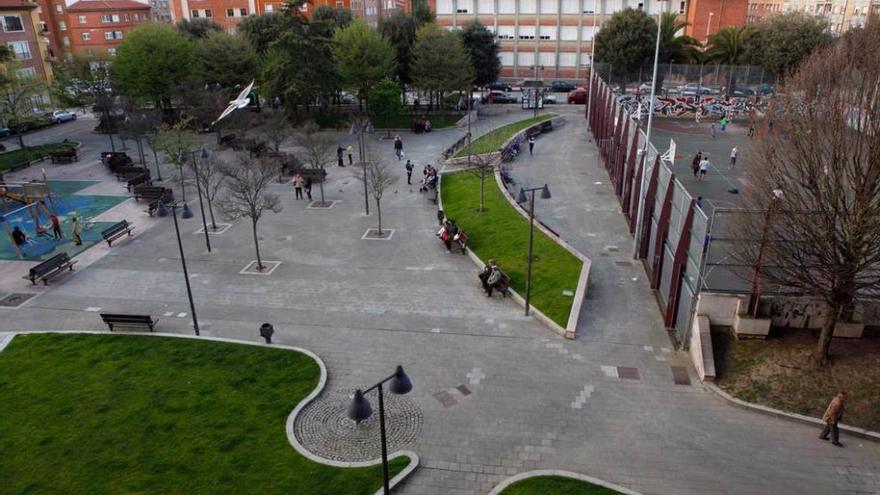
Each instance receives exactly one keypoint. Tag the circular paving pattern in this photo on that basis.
(324, 428)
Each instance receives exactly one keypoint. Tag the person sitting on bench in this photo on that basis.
(450, 230)
(486, 274)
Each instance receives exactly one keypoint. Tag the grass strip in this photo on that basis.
(15, 157)
(85, 414)
(500, 232)
(556, 485)
(493, 140)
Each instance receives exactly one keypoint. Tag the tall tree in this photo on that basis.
(198, 28)
(385, 104)
(626, 42)
(21, 98)
(226, 59)
(784, 41)
(84, 82)
(823, 238)
(247, 183)
(152, 60)
(400, 29)
(483, 49)
(327, 19)
(730, 46)
(363, 57)
(441, 62)
(675, 46)
(264, 30)
(298, 70)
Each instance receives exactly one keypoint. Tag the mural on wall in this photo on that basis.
(688, 106)
(798, 313)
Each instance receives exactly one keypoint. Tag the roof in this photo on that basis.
(16, 5)
(99, 5)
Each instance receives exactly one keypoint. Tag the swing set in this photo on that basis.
(25, 198)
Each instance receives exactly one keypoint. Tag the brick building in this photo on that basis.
(706, 17)
(97, 27)
(20, 31)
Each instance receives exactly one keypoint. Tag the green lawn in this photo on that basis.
(15, 157)
(502, 233)
(404, 121)
(108, 414)
(556, 485)
(493, 141)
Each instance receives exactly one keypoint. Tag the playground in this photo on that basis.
(29, 206)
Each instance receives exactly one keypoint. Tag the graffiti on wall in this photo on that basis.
(798, 313)
(689, 106)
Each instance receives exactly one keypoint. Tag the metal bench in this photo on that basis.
(124, 320)
(116, 231)
(130, 171)
(63, 156)
(152, 193)
(49, 268)
(138, 180)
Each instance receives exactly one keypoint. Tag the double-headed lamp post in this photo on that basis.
(521, 198)
(360, 409)
(185, 213)
(184, 155)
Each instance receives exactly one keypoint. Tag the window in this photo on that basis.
(62, 26)
(65, 41)
(12, 24)
(112, 51)
(682, 8)
(86, 36)
(464, 6)
(202, 13)
(305, 8)
(506, 6)
(118, 34)
(115, 17)
(340, 4)
(108, 35)
(549, 6)
(21, 49)
(528, 6)
(527, 32)
(587, 32)
(568, 33)
(548, 32)
(486, 6)
(525, 59)
(570, 6)
(506, 58)
(59, 8)
(505, 32)
(547, 59)
(82, 19)
(27, 73)
(612, 6)
(242, 12)
(270, 8)
(585, 58)
(589, 6)
(230, 13)
(655, 7)
(107, 18)
(444, 6)
(640, 6)
(567, 59)
(127, 17)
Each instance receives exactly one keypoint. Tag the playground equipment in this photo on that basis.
(19, 198)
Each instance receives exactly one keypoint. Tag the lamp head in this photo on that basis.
(182, 157)
(360, 408)
(521, 197)
(545, 192)
(204, 154)
(187, 213)
(400, 384)
(162, 211)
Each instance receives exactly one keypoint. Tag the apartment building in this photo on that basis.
(842, 15)
(20, 31)
(706, 17)
(97, 27)
(758, 10)
(226, 13)
(548, 39)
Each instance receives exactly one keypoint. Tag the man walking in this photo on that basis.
(695, 164)
(339, 151)
(531, 145)
(733, 154)
(398, 147)
(349, 151)
(704, 167)
(298, 185)
(409, 170)
(832, 416)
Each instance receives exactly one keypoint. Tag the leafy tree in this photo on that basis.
(21, 98)
(730, 46)
(328, 19)
(385, 103)
(441, 62)
(400, 29)
(363, 57)
(264, 30)
(675, 46)
(783, 42)
(226, 59)
(247, 195)
(626, 42)
(152, 60)
(298, 70)
(422, 13)
(481, 44)
(84, 82)
(198, 28)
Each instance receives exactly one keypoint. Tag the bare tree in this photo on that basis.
(246, 194)
(818, 180)
(208, 172)
(379, 177)
(173, 140)
(276, 130)
(483, 166)
(319, 150)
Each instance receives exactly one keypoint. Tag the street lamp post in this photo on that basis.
(360, 409)
(185, 213)
(709, 25)
(521, 198)
(537, 69)
(592, 71)
(755, 299)
(183, 159)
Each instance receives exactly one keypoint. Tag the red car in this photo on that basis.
(578, 96)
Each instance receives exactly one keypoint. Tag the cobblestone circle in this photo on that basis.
(324, 428)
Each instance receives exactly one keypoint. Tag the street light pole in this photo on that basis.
(186, 214)
(521, 198)
(199, 189)
(360, 409)
(592, 72)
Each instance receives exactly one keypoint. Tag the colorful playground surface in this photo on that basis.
(20, 209)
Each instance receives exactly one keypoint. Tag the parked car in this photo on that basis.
(743, 91)
(5, 132)
(499, 86)
(646, 87)
(766, 89)
(59, 116)
(578, 96)
(692, 89)
(549, 99)
(562, 87)
(499, 97)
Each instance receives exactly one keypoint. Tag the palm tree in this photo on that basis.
(730, 46)
(675, 46)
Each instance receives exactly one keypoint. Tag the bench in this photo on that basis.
(503, 284)
(461, 242)
(128, 172)
(124, 320)
(152, 193)
(63, 156)
(116, 231)
(143, 179)
(49, 268)
(115, 160)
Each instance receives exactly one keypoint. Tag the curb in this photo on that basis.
(556, 472)
(291, 438)
(769, 411)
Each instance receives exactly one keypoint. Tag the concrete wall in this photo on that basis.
(719, 308)
(700, 349)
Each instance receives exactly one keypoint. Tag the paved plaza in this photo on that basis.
(499, 393)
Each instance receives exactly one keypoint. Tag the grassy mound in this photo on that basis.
(492, 141)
